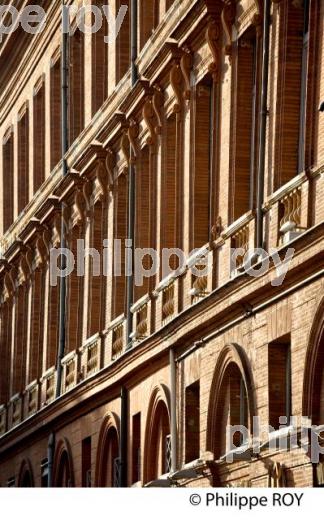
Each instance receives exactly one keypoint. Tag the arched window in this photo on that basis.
(63, 467)
(313, 388)
(231, 402)
(108, 462)
(64, 474)
(158, 441)
(313, 398)
(25, 479)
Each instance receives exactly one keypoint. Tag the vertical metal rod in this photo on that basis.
(65, 146)
(173, 411)
(130, 277)
(134, 49)
(263, 123)
(131, 187)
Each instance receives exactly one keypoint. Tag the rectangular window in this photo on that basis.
(86, 462)
(303, 96)
(123, 42)
(170, 189)
(279, 371)
(192, 419)
(136, 455)
(200, 182)
(23, 160)
(245, 125)
(99, 63)
(56, 113)
(39, 136)
(291, 93)
(8, 181)
(120, 234)
(143, 220)
(76, 101)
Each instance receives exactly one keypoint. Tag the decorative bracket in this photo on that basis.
(124, 146)
(148, 115)
(213, 37)
(158, 101)
(110, 165)
(176, 81)
(228, 18)
(186, 64)
(133, 132)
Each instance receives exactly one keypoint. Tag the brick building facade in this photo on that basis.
(217, 165)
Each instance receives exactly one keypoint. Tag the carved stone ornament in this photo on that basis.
(133, 133)
(228, 18)
(217, 228)
(158, 102)
(213, 37)
(80, 208)
(110, 165)
(102, 178)
(176, 82)
(26, 264)
(148, 116)
(124, 146)
(9, 282)
(186, 64)
(87, 192)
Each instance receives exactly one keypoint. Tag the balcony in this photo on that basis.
(70, 372)
(200, 266)
(31, 399)
(141, 318)
(48, 383)
(90, 356)
(15, 410)
(168, 302)
(287, 211)
(290, 216)
(117, 337)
